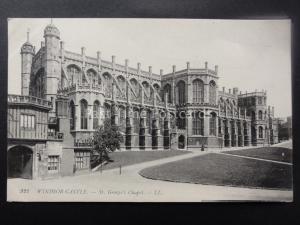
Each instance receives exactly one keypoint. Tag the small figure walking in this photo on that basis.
(202, 148)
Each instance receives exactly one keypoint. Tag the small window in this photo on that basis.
(260, 132)
(27, 121)
(259, 100)
(82, 159)
(53, 163)
(198, 124)
(260, 115)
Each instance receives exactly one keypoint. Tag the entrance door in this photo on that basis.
(19, 162)
(181, 142)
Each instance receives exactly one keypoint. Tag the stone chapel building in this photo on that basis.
(65, 96)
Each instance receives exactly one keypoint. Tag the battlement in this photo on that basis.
(31, 100)
(253, 94)
(189, 70)
(110, 64)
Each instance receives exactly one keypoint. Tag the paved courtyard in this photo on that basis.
(128, 185)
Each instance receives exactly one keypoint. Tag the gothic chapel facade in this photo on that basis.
(69, 94)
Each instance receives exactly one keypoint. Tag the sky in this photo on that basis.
(251, 54)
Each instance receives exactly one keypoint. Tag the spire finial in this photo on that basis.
(28, 31)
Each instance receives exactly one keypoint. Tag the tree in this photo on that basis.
(107, 138)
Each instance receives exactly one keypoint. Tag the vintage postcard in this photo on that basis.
(149, 110)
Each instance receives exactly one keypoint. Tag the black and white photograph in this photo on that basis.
(149, 110)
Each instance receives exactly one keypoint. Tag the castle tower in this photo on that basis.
(27, 53)
(52, 63)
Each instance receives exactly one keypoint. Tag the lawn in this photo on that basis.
(271, 153)
(127, 158)
(218, 169)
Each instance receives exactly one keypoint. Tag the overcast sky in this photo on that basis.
(251, 54)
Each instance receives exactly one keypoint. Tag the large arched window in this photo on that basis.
(212, 124)
(149, 121)
(222, 106)
(260, 115)
(37, 86)
(83, 114)
(161, 123)
(229, 107)
(107, 85)
(92, 76)
(146, 87)
(198, 91)
(122, 85)
(260, 132)
(96, 114)
(198, 123)
(180, 120)
(72, 115)
(122, 121)
(136, 121)
(167, 91)
(220, 126)
(181, 92)
(147, 90)
(107, 111)
(74, 74)
(158, 90)
(136, 89)
(245, 125)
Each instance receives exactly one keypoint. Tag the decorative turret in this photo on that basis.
(27, 47)
(52, 61)
(27, 53)
(51, 30)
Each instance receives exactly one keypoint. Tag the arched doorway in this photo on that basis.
(19, 162)
(181, 142)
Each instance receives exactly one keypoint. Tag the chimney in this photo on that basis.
(206, 65)
(223, 89)
(188, 65)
